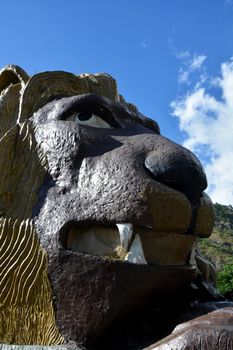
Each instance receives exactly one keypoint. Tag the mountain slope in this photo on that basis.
(219, 247)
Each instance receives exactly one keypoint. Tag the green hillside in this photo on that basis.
(219, 247)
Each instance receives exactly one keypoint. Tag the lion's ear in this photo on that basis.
(12, 81)
(12, 75)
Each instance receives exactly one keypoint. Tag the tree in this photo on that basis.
(225, 279)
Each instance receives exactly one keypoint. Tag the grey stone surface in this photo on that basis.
(38, 347)
(126, 172)
(101, 164)
(213, 331)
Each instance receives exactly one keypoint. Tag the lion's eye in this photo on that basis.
(83, 116)
(89, 119)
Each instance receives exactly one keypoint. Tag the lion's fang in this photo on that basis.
(136, 254)
(125, 233)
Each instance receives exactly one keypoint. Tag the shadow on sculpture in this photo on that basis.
(100, 215)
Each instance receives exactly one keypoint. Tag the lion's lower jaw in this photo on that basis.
(138, 245)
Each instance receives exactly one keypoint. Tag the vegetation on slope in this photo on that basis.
(219, 247)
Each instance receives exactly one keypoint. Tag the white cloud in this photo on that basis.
(208, 124)
(197, 62)
(228, 2)
(143, 44)
(189, 64)
(181, 54)
(183, 76)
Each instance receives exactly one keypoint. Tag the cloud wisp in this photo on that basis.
(189, 64)
(207, 121)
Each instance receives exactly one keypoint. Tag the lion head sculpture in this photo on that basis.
(99, 211)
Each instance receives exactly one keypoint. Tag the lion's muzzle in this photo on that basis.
(178, 168)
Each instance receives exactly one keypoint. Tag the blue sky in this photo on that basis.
(165, 54)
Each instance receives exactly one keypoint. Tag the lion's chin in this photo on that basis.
(131, 243)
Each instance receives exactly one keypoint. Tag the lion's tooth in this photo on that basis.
(125, 232)
(136, 254)
(192, 260)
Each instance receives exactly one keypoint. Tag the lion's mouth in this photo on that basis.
(165, 243)
(131, 243)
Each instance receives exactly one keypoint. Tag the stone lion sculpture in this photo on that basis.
(100, 213)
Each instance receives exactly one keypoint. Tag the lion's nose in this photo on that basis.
(178, 168)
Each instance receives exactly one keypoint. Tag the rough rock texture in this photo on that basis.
(38, 347)
(125, 172)
(213, 331)
(108, 291)
(75, 157)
